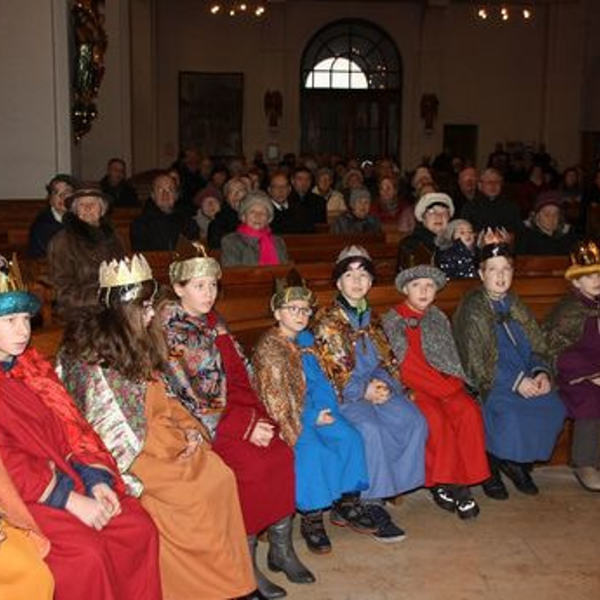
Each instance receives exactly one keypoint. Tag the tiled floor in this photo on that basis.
(541, 548)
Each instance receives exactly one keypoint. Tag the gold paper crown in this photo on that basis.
(10, 276)
(585, 259)
(124, 272)
(201, 265)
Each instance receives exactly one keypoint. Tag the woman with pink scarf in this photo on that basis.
(253, 243)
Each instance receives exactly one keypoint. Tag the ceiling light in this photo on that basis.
(215, 8)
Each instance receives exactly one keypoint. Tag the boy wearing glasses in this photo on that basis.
(330, 461)
(357, 358)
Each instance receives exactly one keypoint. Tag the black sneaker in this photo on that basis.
(387, 531)
(494, 488)
(351, 513)
(313, 531)
(519, 475)
(467, 508)
(443, 497)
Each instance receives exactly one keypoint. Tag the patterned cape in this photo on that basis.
(335, 341)
(436, 336)
(277, 363)
(474, 325)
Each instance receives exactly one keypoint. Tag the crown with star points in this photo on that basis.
(126, 271)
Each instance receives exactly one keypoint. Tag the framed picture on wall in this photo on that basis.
(211, 107)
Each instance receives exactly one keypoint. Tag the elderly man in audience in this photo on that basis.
(492, 209)
(301, 193)
(160, 226)
(467, 188)
(50, 220)
(357, 219)
(290, 214)
(546, 231)
(227, 219)
(432, 212)
(335, 202)
(115, 184)
(75, 252)
(253, 243)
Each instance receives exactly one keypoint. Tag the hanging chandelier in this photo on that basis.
(504, 12)
(238, 8)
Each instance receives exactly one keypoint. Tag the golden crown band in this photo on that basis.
(10, 276)
(124, 272)
(199, 266)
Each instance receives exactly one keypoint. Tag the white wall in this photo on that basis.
(34, 102)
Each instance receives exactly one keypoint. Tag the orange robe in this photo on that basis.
(194, 503)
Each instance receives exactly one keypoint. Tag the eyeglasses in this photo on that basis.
(298, 310)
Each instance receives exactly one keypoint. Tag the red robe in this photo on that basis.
(265, 476)
(120, 562)
(455, 451)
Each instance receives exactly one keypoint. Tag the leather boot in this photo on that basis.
(494, 486)
(265, 586)
(282, 556)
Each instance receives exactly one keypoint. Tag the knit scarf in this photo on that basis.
(266, 241)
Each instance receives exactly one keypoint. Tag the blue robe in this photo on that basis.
(517, 428)
(330, 459)
(394, 433)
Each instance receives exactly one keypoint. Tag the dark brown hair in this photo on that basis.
(115, 337)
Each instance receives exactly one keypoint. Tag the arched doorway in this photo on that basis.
(351, 91)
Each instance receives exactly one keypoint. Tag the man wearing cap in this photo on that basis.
(357, 358)
(573, 333)
(546, 232)
(421, 339)
(49, 221)
(504, 354)
(75, 253)
(432, 212)
(358, 219)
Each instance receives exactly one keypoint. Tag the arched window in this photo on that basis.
(351, 91)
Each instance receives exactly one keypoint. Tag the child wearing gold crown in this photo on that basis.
(103, 545)
(329, 454)
(110, 363)
(209, 374)
(504, 355)
(573, 332)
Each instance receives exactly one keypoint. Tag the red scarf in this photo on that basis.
(39, 376)
(266, 240)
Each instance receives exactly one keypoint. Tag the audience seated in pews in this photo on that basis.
(466, 188)
(253, 243)
(573, 332)
(50, 220)
(301, 194)
(504, 355)
(357, 219)
(335, 202)
(75, 252)
(115, 184)
(330, 463)
(160, 226)
(290, 215)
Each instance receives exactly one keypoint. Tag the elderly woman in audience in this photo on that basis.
(209, 374)
(75, 253)
(357, 220)
(504, 354)
(546, 231)
(102, 543)
(253, 242)
(227, 219)
(390, 208)
(573, 333)
(456, 252)
(208, 203)
(433, 211)
(110, 362)
(49, 221)
(336, 204)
